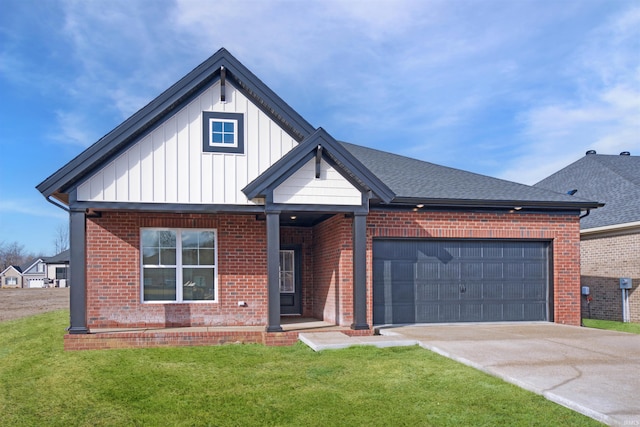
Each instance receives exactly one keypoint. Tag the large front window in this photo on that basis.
(178, 265)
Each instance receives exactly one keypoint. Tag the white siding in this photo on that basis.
(330, 189)
(169, 166)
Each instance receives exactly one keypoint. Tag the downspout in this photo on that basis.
(586, 214)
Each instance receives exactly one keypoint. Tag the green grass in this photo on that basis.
(633, 328)
(235, 385)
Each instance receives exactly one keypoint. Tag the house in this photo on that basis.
(58, 269)
(218, 205)
(11, 277)
(34, 274)
(610, 236)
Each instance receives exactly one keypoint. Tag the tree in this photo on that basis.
(12, 254)
(61, 240)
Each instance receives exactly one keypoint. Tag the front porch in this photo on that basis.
(119, 338)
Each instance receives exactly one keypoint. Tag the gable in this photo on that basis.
(330, 188)
(169, 165)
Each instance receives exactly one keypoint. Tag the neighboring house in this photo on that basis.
(219, 205)
(11, 277)
(610, 236)
(34, 274)
(58, 269)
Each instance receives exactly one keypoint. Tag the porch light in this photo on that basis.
(293, 217)
(420, 206)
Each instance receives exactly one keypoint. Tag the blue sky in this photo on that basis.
(511, 89)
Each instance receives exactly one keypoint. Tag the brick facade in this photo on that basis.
(113, 263)
(604, 260)
(561, 230)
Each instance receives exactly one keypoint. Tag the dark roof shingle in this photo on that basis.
(613, 180)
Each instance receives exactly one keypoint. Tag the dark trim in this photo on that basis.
(78, 273)
(166, 103)
(524, 204)
(319, 208)
(168, 207)
(206, 132)
(359, 228)
(297, 262)
(350, 167)
(318, 161)
(223, 78)
(273, 272)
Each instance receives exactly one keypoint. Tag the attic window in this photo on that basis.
(222, 132)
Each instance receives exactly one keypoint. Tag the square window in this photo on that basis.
(222, 132)
(178, 265)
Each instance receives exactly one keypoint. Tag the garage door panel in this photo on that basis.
(422, 281)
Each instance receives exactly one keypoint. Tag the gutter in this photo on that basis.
(57, 204)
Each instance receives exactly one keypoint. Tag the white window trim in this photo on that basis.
(179, 266)
(222, 144)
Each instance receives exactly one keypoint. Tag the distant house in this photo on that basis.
(34, 274)
(217, 204)
(11, 277)
(58, 269)
(609, 236)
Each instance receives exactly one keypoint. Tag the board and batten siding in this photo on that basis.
(168, 165)
(304, 188)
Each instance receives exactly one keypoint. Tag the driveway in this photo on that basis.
(594, 372)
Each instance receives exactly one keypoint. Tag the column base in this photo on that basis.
(274, 328)
(78, 330)
(359, 326)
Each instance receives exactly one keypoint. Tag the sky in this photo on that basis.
(511, 89)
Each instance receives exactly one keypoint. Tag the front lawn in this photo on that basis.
(40, 384)
(633, 328)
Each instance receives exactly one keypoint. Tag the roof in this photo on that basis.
(15, 267)
(392, 178)
(29, 265)
(344, 160)
(610, 179)
(61, 258)
(416, 180)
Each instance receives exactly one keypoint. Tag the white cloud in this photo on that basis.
(603, 113)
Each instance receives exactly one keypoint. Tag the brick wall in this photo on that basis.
(332, 270)
(113, 272)
(561, 230)
(605, 259)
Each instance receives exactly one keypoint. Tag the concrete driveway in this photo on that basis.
(594, 372)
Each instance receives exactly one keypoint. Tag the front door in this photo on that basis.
(290, 294)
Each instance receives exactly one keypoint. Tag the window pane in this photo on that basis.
(151, 256)
(198, 284)
(168, 256)
(228, 127)
(216, 138)
(167, 239)
(190, 239)
(150, 238)
(159, 284)
(207, 257)
(207, 239)
(286, 282)
(217, 126)
(189, 257)
(228, 138)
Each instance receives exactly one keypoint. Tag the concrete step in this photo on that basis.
(336, 340)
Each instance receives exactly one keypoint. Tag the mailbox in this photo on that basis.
(585, 290)
(625, 283)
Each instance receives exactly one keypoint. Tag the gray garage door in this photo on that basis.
(436, 281)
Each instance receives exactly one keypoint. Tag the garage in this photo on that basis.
(444, 281)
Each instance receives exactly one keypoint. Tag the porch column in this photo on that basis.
(77, 272)
(273, 272)
(360, 271)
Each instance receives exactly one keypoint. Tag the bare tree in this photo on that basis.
(12, 254)
(61, 240)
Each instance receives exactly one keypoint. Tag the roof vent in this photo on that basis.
(625, 153)
(590, 152)
(572, 192)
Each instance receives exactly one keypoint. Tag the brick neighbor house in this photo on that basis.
(610, 236)
(217, 205)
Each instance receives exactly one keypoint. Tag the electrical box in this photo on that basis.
(625, 283)
(585, 290)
